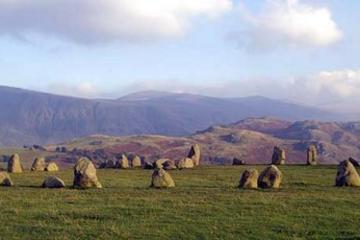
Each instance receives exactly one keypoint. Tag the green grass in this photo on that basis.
(205, 205)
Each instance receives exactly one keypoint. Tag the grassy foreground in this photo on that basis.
(204, 205)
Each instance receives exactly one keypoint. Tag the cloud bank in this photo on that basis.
(291, 23)
(94, 21)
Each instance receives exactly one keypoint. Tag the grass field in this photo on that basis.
(205, 205)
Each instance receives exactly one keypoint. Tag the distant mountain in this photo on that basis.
(251, 140)
(29, 117)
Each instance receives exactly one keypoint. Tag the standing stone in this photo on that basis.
(52, 167)
(53, 182)
(85, 174)
(5, 180)
(136, 162)
(195, 154)
(311, 155)
(123, 162)
(169, 164)
(347, 175)
(249, 179)
(270, 178)
(38, 164)
(110, 163)
(354, 162)
(278, 157)
(148, 165)
(165, 163)
(14, 164)
(185, 163)
(162, 179)
(237, 162)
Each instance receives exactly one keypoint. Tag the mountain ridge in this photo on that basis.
(30, 117)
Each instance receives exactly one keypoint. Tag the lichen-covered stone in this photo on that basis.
(53, 182)
(123, 162)
(14, 164)
(195, 154)
(136, 162)
(271, 177)
(278, 157)
(185, 163)
(39, 164)
(85, 174)
(162, 179)
(311, 155)
(249, 179)
(5, 180)
(347, 175)
(52, 167)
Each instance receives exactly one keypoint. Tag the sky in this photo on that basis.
(300, 50)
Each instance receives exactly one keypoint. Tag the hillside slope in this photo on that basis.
(29, 117)
(251, 140)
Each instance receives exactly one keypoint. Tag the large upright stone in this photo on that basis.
(249, 179)
(52, 167)
(136, 162)
(39, 164)
(354, 162)
(123, 162)
(347, 175)
(165, 163)
(5, 180)
(311, 155)
(85, 174)
(271, 177)
(14, 164)
(185, 163)
(278, 157)
(195, 154)
(161, 179)
(169, 164)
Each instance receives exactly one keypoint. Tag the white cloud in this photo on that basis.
(93, 21)
(82, 89)
(291, 23)
(338, 84)
(337, 89)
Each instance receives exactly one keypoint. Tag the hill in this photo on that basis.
(29, 117)
(251, 140)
